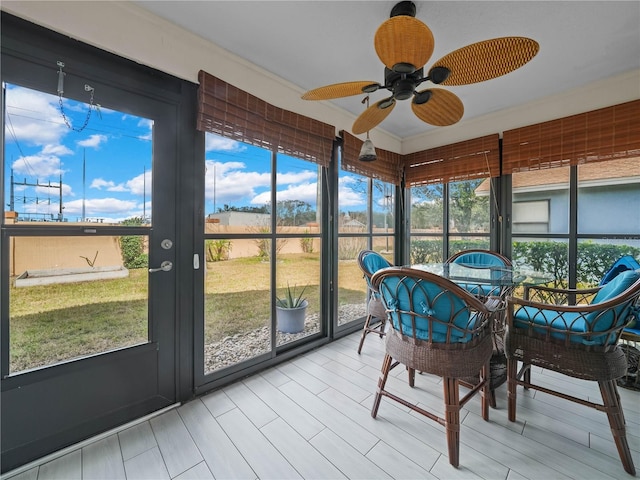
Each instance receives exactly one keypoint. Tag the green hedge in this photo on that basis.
(594, 259)
(430, 251)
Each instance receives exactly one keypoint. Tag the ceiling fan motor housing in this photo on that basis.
(402, 86)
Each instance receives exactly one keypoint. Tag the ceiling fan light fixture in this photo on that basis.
(404, 68)
(368, 151)
(422, 97)
(386, 103)
(371, 88)
(438, 75)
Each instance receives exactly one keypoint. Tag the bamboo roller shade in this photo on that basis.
(477, 158)
(605, 134)
(388, 167)
(233, 113)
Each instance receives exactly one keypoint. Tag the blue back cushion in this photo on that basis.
(480, 259)
(623, 263)
(616, 286)
(373, 262)
(612, 289)
(428, 299)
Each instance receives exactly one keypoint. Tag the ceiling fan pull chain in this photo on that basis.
(87, 88)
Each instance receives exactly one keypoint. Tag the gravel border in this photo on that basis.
(243, 346)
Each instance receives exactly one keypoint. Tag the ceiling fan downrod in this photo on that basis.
(403, 8)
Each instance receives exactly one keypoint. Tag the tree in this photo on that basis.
(467, 208)
(294, 212)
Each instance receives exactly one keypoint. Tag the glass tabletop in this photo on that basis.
(498, 276)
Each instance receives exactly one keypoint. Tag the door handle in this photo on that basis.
(164, 267)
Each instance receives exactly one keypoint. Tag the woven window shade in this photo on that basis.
(596, 136)
(387, 167)
(233, 113)
(477, 158)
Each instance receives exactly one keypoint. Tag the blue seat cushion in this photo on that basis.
(597, 321)
(428, 300)
(567, 323)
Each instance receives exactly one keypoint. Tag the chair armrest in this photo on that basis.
(559, 296)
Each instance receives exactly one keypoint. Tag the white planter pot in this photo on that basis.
(291, 320)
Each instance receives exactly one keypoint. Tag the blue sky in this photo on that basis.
(116, 149)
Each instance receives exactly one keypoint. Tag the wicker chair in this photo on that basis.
(482, 259)
(439, 328)
(370, 262)
(552, 330)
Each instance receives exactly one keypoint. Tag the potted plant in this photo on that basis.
(291, 310)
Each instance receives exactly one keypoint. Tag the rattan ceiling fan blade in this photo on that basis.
(441, 109)
(339, 90)
(372, 116)
(487, 59)
(403, 40)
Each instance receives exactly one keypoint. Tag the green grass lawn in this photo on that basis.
(53, 323)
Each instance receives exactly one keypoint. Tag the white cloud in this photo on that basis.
(148, 124)
(96, 206)
(38, 166)
(140, 184)
(93, 141)
(306, 192)
(58, 150)
(99, 184)
(231, 183)
(220, 144)
(348, 197)
(33, 117)
(288, 178)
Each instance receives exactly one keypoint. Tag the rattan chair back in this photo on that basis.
(439, 328)
(369, 262)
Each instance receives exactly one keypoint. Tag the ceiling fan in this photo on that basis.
(404, 44)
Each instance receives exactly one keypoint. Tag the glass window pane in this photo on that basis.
(353, 203)
(541, 201)
(297, 194)
(609, 197)
(426, 209)
(74, 296)
(426, 249)
(237, 303)
(596, 256)
(383, 207)
(458, 244)
(352, 288)
(543, 255)
(468, 211)
(237, 186)
(54, 173)
(297, 286)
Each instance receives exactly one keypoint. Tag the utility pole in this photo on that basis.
(84, 182)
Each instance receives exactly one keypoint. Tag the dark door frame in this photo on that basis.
(70, 398)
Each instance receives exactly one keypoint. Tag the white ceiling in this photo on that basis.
(315, 43)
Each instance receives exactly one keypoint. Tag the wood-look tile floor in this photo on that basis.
(310, 418)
